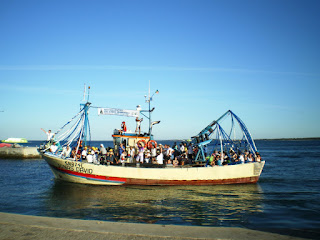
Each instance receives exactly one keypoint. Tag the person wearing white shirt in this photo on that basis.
(153, 151)
(84, 153)
(53, 147)
(66, 152)
(169, 152)
(160, 158)
(241, 158)
(94, 157)
(49, 134)
(89, 158)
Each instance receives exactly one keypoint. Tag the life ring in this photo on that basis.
(152, 143)
(142, 141)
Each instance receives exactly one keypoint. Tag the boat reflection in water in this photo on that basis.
(220, 205)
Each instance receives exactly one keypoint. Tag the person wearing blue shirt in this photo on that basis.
(121, 149)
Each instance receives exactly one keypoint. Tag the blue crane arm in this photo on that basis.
(204, 135)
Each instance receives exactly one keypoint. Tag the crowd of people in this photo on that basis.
(220, 159)
(153, 154)
(177, 155)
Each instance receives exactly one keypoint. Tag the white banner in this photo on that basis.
(116, 111)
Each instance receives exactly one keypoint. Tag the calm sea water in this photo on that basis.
(285, 200)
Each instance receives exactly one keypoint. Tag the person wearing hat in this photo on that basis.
(111, 156)
(89, 156)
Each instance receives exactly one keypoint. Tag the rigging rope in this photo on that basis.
(225, 140)
(69, 121)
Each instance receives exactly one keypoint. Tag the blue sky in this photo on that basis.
(260, 59)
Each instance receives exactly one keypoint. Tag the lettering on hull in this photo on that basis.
(86, 173)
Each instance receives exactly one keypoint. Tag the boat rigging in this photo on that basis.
(221, 144)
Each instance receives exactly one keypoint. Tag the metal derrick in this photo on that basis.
(222, 140)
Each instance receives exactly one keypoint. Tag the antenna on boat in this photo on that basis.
(148, 100)
(88, 94)
(84, 93)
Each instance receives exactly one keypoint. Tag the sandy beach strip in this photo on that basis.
(15, 226)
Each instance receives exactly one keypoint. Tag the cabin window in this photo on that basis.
(116, 141)
(131, 142)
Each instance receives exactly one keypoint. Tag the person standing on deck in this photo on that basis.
(103, 150)
(169, 152)
(49, 134)
(182, 149)
(138, 122)
(153, 151)
(121, 149)
(160, 157)
(84, 153)
(132, 153)
(190, 151)
(140, 154)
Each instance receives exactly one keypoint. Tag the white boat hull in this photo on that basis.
(89, 173)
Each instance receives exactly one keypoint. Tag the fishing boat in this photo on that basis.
(211, 142)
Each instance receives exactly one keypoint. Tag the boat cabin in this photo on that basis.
(128, 139)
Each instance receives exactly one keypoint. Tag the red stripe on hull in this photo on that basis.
(131, 181)
(134, 181)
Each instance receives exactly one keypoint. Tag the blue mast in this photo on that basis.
(86, 133)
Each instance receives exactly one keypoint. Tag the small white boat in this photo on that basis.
(15, 140)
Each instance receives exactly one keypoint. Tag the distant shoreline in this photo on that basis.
(288, 139)
(258, 139)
